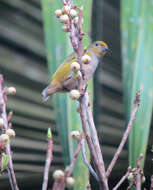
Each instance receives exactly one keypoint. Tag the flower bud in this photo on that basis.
(64, 18)
(75, 66)
(130, 177)
(78, 75)
(65, 9)
(70, 181)
(67, 168)
(58, 13)
(58, 174)
(86, 59)
(2, 101)
(10, 132)
(75, 134)
(65, 28)
(143, 179)
(76, 20)
(4, 138)
(1, 122)
(10, 91)
(73, 13)
(74, 94)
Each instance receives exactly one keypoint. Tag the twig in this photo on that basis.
(86, 162)
(138, 176)
(125, 136)
(101, 165)
(121, 180)
(138, 181)
(91, 147)
(49, 157)
(69, 172)
(10, 167)
(88, 186)
(130, 185)
(80, 34)
(55, 185)
(60, 185)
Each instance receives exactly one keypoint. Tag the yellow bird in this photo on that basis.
(64, 81)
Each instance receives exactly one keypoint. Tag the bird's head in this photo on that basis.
(99, 48)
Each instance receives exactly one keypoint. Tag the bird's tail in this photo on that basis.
(45, 94)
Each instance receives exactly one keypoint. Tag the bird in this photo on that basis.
(63, 79)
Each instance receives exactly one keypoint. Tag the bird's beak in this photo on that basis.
(105, 49)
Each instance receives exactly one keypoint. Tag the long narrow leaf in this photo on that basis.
(137, 57)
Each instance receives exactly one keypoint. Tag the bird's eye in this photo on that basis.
(96, 44)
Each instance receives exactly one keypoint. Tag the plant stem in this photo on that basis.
(95, 140)
(125, 136)
(10, 167)
(60, 185)
(75, 157)
(91, 146)
(121, 181)
(86, 162)
(49, 157)
(138, 176)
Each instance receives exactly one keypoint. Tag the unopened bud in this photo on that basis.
(76, 20)
(58, 13)
(10, 91)
(74, 94)
(58, 174)
(65, 9)
(70, 181)
(130, 176)
(64, 18)
(2, 101)
(75, 134)
(143, 179)
(86, 59)
(4, 138)
(73, 13)
(10, 132)
(75, 66)
(65, 28)
(1, 122)
(67, 168)
(78, 75)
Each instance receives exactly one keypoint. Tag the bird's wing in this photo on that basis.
(64, 69)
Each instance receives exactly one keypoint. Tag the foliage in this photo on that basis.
(137, 57)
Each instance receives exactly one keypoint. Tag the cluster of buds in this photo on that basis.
(7, 135)
(58, 175)
(65, 15)
(133, 173)
(75, 67)
(76, 73)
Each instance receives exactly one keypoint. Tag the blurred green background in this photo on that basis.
(23, 63)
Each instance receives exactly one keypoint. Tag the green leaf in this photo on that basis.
(137, 58)
(4, 161)
(49, 133)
